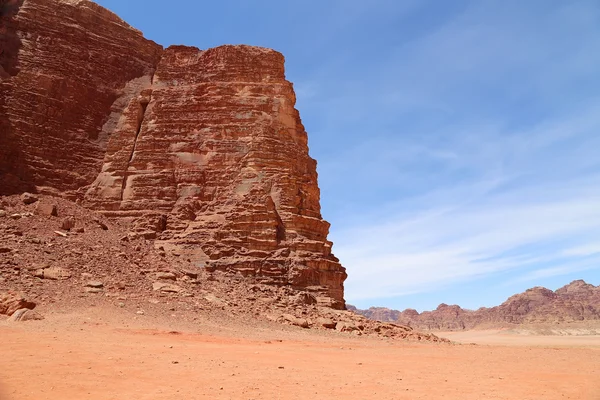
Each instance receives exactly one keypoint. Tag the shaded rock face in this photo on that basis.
(205, 148)
(577, 301)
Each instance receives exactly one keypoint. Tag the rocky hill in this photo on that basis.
(199, 150)
(575, 302)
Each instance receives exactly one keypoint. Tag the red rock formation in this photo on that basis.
(377, 313)
(577, 301)
(202, 148)
(63, 65)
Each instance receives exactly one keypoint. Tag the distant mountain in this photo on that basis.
(577, 301)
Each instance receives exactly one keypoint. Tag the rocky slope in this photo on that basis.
(201, 150)
(56, 257)
(575, 302)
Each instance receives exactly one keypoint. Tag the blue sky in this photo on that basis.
(458, 142)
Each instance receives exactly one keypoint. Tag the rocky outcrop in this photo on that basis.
(575, 302)
(201, 149)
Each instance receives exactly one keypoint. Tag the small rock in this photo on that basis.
(190, 273)
(2, 213)
(166, 276)
(166, 287)
(93, 290)
(59, 233)
(28, 198)
(326, 323)
(54, 273)
(46, 208)
(68, 224)
(140, 312)
(101, 224)
(95, 284)
(121, 304)
(345, 327)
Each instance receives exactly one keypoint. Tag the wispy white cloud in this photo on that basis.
(489, 164)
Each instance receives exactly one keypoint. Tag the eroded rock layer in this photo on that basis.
(203, 149)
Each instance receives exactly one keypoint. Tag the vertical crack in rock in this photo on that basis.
(142, 114)
(280, 228)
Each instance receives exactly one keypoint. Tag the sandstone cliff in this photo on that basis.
(575, 302)
(201, 149)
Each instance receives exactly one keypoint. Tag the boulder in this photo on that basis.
(25, 314)
(28, 198)
(11, 301)
(47, 209)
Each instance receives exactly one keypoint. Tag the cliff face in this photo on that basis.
(63, 66)
(575, 302)
(203, 149)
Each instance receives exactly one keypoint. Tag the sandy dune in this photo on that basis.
(89, 356)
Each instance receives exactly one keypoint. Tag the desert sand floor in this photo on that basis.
(82, 356)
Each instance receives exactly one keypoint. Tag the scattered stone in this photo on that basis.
(166, 276)
(345, 327)
(93, 290)
(2, 213)
(59, 233)
(301, 322)
(11, 301)
(95, 284)
(101, 224)
(166, 287)
(28, 198)
(190, 273)
(326, 323)
(54, 273)
(140, 312)
(211, 298)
